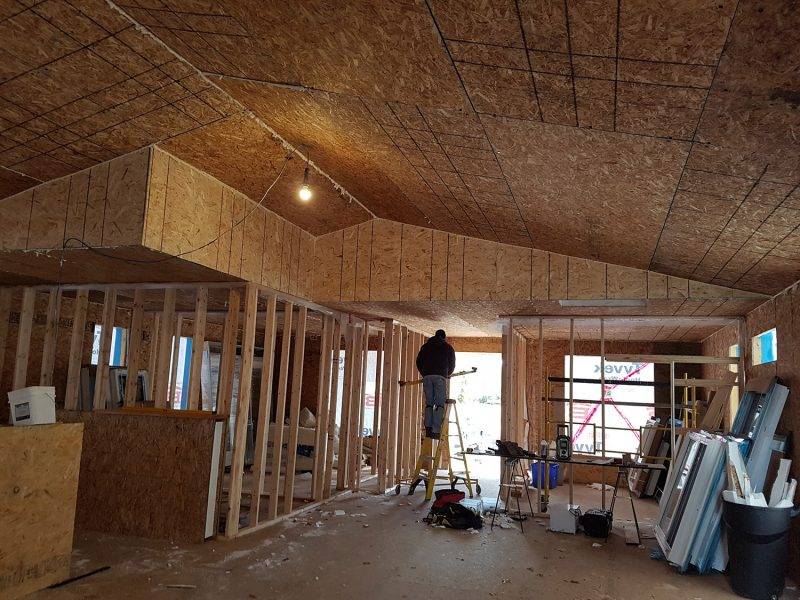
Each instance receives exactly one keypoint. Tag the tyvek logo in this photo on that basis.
(625, 369)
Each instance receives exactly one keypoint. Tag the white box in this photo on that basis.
(35, 405)
(564, 517)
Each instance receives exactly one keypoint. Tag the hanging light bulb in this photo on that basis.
(305, 191)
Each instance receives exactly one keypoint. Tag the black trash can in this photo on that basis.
(758, 549)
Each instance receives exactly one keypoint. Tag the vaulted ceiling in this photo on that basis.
(658, 135)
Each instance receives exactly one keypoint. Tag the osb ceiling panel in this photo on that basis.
(240, 152)
(651, 134)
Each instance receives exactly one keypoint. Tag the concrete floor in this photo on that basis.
(381, 549)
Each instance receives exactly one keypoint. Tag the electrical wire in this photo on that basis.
(83, 244)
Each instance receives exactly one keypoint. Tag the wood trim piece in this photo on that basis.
(162, 366)
(24, 339)
(280, 411)
(294, 411)
(227, 363)
(135, 348)
(264, 409)
(336, 347)
(81, 305)
(198, 341)
(50, 337)
(5, 313)
(101, 389)
(173, 365)
(242, 411)
(323, 401)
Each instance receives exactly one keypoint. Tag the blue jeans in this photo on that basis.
(435, 388)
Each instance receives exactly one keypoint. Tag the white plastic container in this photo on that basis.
(35, 405)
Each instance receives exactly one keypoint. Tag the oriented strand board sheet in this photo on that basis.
(540, 275)
(586, 279)
(439, 265)
(328, 266)
(513, 273)
(480, 269)
(349, 260)
(455, 267)
(626, 282)
(39, 479)
(415, 266)
(363, 261)
(122, 494)
(386, 253)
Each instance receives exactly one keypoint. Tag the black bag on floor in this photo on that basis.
(596, 522)
(454, 516)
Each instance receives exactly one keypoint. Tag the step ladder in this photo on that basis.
(436, 452)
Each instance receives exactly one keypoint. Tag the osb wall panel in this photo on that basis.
(194, 215)
(39, 479)
(783, 313)
(100, 206)
(121, 493)
(387, 261)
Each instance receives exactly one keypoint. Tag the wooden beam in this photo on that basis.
(152, 358)
(162, 366)
(354, 458)
(336, 347)
(342, 462)
(227, 364)
(280, 411)
(198, 341)
(264, 409)
(50, 337)
(402, 408)
(101, 389)
(24, 339)
(386, 394)
(679, 359)
(376, 413)
(81, 305)
(5, 313)
(135, 350)
(323, 400)
(242, 411)
(294, 412)
(174, 360)
(705, 383)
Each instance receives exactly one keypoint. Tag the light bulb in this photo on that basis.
(304, 193)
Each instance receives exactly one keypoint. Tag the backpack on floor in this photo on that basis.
(445, 497)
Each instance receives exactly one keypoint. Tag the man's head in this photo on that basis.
(440, 334)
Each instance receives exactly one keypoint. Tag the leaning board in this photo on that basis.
(38, 492)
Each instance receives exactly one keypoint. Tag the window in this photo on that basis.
(765, 347)
(734, 352)
(119, 339)
(626, 384)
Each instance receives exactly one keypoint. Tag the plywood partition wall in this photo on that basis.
(406, 262)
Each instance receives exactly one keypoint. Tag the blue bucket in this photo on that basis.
(538, 474)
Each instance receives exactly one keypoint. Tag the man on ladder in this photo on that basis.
(436, 362)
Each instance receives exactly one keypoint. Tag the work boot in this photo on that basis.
(428, 432)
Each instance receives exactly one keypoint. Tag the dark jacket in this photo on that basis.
(436, 357)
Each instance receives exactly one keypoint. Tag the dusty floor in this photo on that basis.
(380, 549)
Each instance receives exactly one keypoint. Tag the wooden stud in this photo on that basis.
(408, 450)
(5, 313)
(227, 362)
(101, 389)
(394, 388)
(323, 400)
(280, 411)
(294, 412)
(134, 358)
(152, 358)
(198, 341)
(24, 339)
(162, 366)
(344, 419)
(383, 439)
(264, 408)
(173, 365)
(81, 305)
(50, 337)
(242, 410)
(336, 346)
(376, 412)
(356, 408)
(402, 409)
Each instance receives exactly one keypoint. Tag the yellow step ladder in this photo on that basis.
(436, 452)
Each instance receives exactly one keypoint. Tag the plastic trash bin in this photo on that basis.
(758, 549)
(538, 474)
